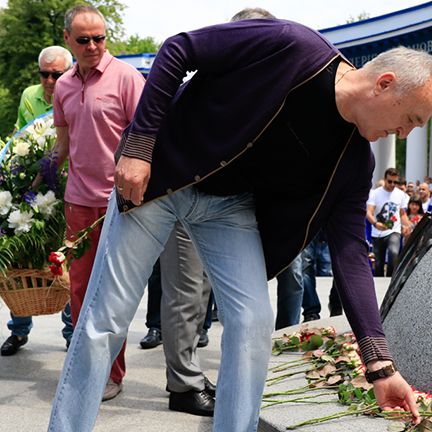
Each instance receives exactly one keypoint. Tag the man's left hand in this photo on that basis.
(394, 393)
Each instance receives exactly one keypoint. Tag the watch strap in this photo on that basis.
(386, 371)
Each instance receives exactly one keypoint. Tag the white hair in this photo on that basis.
(412, 68)
(51, 53)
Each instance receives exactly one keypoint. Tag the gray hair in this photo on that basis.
(251, 13)
(79, 9)
(51, 53)
(413, 68)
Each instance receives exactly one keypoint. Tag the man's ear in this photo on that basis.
(384, 82)
(66, 37)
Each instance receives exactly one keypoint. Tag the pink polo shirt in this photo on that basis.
(96, 111)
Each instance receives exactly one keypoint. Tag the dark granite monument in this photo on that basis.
(407, 308)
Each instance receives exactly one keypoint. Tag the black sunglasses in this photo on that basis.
(46, 74)
(392, 181)
(84, 40)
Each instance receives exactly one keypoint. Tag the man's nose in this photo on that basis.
(403, 132)
(92, 45)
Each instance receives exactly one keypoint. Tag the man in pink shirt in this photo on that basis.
(94, 102)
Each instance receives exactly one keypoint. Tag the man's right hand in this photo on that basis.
(131, 178)
(380, 226)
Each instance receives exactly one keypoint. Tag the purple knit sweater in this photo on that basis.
(245, 71)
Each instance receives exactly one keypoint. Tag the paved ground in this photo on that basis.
(28, 379)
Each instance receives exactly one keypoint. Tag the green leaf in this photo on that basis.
(39, 224)
(295, 341)
(396, 426)
(370, 395)
(358, 393)
(316, 341)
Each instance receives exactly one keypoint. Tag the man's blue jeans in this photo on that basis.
(316, 262)
(381, 245)
(311, 301)
(290, 294)
(224, 231)
(21, 326)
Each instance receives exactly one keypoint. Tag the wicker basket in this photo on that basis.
(29, 292)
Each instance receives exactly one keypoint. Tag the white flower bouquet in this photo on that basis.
(32, 223)
(31, 218)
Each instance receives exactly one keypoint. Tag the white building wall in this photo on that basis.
(416, 154)
(385, 156)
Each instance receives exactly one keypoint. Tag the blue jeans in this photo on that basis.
(389, 245)
(21, 326)
(311, 301)
(224, 231)
(323, 259)
(290, 295)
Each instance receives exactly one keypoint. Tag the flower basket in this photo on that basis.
(29, 292)
(32, 223)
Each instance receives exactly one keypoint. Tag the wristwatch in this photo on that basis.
(384, 372)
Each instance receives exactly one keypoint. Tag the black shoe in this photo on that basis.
(12, 344)
(152, 339)
(311, 317)
(209, 387)
(215, 315)
(203, 339)
(192, 402)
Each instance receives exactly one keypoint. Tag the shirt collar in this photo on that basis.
(40, 93)
(103, 64)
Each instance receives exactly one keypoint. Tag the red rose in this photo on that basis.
(56, 270)
(56, 258)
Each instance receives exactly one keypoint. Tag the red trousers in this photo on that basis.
(77, 218)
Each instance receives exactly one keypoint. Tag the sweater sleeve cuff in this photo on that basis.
(139, 146)
(374, 348)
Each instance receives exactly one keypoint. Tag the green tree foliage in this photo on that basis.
(133, 45)
(360, 17)
(7, 111)
(111, 10)
(27, 26)
(401, 155)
